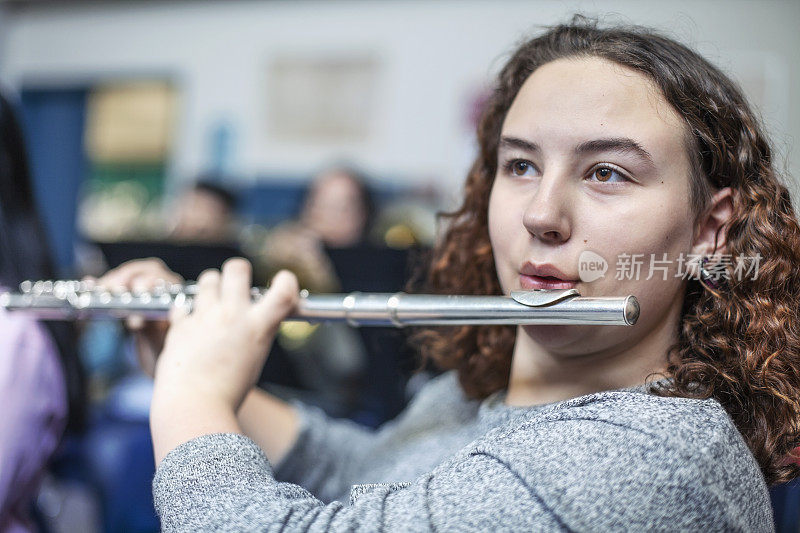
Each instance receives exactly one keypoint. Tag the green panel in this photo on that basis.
(151, 177)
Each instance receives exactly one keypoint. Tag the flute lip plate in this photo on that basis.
(541, 297)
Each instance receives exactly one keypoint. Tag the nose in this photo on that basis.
(547, 215)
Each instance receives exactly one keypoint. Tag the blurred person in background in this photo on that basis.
(328, 359)
(337, 212)
(41, 383)
(205, 213)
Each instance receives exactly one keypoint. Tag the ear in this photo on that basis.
(710, 235)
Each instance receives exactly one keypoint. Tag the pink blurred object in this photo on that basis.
(34, 402)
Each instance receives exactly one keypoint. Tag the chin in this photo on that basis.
(558, 338)
(579, 340)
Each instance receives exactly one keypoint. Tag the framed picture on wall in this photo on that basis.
(321, 99)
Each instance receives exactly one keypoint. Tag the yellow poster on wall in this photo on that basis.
(130, 122)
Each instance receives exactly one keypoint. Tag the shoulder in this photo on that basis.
(689, 424)
(441, 402)
(442, 392)
(675, 432)
(637, 457)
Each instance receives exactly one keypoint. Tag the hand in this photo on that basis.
(301, 251)
(143, 275)
(215, 354)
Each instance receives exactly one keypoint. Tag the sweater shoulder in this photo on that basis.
(685, 425)
(442, 398)
(626, 443)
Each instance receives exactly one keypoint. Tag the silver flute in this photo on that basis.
(73, 300)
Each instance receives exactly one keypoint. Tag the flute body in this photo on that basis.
(70, 300)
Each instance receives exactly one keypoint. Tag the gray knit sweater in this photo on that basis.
(612, 461)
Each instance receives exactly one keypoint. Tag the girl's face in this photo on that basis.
(592, 159)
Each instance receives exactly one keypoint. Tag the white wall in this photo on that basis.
(432, 54)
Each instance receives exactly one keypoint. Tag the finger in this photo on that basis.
(279, 301)
(237, 275)
(123, 275)
(178, 312)
(150, 269)
(207, 290)
(142, 283)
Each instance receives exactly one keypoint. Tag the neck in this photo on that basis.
(540, 376)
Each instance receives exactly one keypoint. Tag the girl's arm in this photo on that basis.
(306, 446)
(271, 422)
(592, 468)
(312, 449)
(224, 483)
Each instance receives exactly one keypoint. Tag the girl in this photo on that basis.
(617, 143)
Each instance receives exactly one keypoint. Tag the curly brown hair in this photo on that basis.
(740, 343)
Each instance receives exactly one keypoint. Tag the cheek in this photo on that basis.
(656, 226)
(642, 235)
(504, 220)
(500, 232)
(504, 227)
(494, 223)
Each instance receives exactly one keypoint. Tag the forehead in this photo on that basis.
(576, 99)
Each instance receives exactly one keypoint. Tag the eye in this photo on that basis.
(606, 173)
(519, 167)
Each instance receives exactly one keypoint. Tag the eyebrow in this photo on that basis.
(623, 145)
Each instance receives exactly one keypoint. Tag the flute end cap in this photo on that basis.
(631, 310)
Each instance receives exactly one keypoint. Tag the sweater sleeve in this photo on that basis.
(554, 475)
(223, 482)
(325, 453)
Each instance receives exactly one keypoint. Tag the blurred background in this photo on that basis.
(321, 136)
(127, 101)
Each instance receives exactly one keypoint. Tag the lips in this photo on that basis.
(544, 276)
